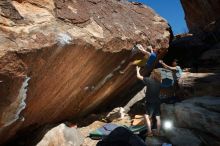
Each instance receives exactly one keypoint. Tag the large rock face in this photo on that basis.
(202, 15)
(60, 59)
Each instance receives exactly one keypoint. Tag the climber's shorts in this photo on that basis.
(153, 109)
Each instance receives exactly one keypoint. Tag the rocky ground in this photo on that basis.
(195, 120)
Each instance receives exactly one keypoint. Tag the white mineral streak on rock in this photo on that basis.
(14, 110)
(109, 76)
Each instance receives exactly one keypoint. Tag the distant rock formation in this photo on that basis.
(202, 58)
(202, 15)
(61, 59)
(199, 50)
(196, 119)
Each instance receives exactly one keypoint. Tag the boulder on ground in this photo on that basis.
(199, 114)
(182, 137)
(62, 136)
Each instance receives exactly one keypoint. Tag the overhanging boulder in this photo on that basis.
(61, 59)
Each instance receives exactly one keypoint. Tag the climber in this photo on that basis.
(177, 72)
(152, 98)
(152, 56)
(148, 60)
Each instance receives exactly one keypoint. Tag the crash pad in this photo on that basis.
(105, 130)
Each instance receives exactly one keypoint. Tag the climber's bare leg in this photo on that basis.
(158, 125)
(148, 124)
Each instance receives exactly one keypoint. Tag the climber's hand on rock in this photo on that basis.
(139, 46)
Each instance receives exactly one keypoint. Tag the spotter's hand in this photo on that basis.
(160, 61)
(138, 68)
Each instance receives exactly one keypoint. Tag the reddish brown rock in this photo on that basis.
(62, 59)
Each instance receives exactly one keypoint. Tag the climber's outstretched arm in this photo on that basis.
(167, 66)
(139, 76)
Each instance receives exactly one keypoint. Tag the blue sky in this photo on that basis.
(171, 10)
